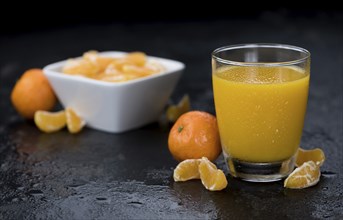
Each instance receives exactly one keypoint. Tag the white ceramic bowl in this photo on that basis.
(115, 107)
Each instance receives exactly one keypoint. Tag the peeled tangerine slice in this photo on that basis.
(212, 178)
(316, 155)
(138, 58)
(175, 111)
(187, 170)
(50, 121)
(308, 174)
(74, 122)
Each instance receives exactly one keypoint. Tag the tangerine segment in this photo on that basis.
(175, 111)
(74, 122)
(139, 71)
(138, 58)
(50, 121)
(81, 67)
(308, 174)
(212, 178)
(187, 170)
(113, 69)
(316, 155)
(99, 61)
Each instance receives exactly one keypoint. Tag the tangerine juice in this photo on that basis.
(260, 111)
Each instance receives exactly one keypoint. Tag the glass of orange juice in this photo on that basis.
(260, 94)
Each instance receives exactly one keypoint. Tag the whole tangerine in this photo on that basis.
(195, 135)
(31, 93)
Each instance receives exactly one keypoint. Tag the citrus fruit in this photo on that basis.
(136, 70)
(137, 58)
(49, 121)
(80, 67)
(74, 122)
(212, 178)
(193, 136)
(316, 155)
(187, 170)
(306, 175)
(100, 63)
(175, 111)
(113, 69)
(31, 93)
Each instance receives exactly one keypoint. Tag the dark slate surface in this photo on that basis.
(96, 175)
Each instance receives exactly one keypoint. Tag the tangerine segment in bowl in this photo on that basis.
(131, 66)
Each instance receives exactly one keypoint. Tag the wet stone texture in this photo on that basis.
(96, 175)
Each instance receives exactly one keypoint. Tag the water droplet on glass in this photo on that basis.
(15, 199)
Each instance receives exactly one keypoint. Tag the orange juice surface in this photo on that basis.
(260, 111)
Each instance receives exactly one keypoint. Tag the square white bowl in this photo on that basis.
(116, 106)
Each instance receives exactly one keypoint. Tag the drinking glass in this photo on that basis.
(260, 94)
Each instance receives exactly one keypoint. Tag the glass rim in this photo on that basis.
(261, 45)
